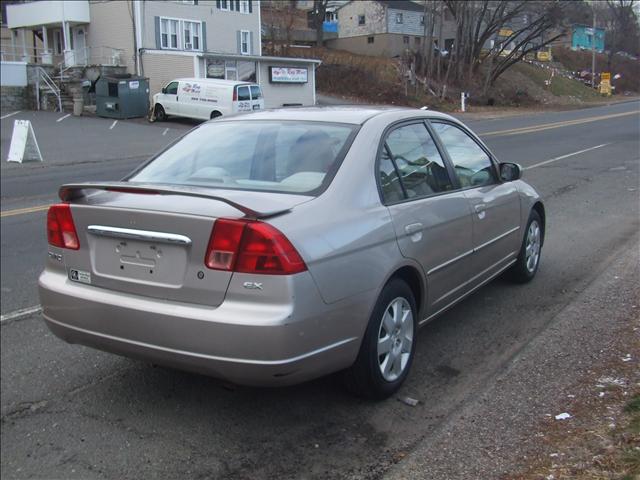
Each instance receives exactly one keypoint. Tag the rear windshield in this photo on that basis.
(277, 156)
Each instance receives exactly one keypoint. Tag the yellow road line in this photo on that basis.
(548, 126)
(20, 211)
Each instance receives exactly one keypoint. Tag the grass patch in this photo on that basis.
(560, 86)
(633, 406)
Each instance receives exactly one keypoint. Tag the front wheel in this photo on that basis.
(160, 114)
(388, 346)
(528, 261)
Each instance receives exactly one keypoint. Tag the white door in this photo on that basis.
(169, 100)
(257, 100)
(79, 46)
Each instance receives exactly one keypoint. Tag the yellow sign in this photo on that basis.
(505, 32)
(543, 56)
(605, 76)
(605, 87)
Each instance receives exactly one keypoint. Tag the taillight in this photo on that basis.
(61, 232)
(248, 246)
(235, 94)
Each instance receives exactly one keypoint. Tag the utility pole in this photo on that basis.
(593, 49)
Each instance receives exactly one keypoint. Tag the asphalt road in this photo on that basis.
(70, 412)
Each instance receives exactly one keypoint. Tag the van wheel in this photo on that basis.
(160, 114)
(215, 114)
(388, 346)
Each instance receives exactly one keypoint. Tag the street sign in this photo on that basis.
(543, 56)
(605, 76)
(24, 146)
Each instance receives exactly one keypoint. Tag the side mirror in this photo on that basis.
(510, 172)
(164, 89)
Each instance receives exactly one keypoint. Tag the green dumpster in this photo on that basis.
(122, 96)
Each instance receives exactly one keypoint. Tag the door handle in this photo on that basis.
(481, 210)
(414, 230)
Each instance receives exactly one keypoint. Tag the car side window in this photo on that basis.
(172, 88)
(419, 164)
(471, 163)
(389, 181)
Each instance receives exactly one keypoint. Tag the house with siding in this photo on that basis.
(161, 40)
(388, 28)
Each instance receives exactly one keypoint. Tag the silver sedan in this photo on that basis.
(284, 245)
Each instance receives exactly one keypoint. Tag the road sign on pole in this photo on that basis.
(605, 83)
(24, 146)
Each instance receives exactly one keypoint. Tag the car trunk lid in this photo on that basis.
(151, 240)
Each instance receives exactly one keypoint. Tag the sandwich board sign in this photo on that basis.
(24, 146)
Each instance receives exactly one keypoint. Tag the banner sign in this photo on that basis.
(288, 75)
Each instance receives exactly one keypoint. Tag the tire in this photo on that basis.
(215, 114)
(528, 261)
(367, 377)
(160, 114)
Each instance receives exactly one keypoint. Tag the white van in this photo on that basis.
(205, 98)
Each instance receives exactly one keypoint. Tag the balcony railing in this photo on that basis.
(77, 57)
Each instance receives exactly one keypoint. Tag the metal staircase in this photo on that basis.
(45, 83)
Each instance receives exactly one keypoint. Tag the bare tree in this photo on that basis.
(623, 33)
(528, 26)
(319, 13)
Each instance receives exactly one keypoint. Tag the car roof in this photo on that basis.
(354, 114)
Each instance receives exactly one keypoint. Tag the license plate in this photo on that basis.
(140, 261)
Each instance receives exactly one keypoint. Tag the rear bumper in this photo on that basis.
(242, 342)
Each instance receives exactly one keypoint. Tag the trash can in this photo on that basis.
(122, 96)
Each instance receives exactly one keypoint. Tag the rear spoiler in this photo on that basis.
(73, 191)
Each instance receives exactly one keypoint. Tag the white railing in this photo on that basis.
(43, 79)
(70, 58)
(90, 56)
(15, 53)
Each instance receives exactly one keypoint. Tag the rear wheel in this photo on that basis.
(215, 114)
(160, 114)
(388, 346)
(526, 266)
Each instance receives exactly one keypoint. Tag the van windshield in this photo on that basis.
(277, 156)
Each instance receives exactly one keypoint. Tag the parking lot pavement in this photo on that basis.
(72, 412)
(64, 139)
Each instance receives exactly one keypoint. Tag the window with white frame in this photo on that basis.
(244, 6)
(399, 18)
(169, 33)
(224, 4)
(245, 42)
(191, 35)
(180, 34)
